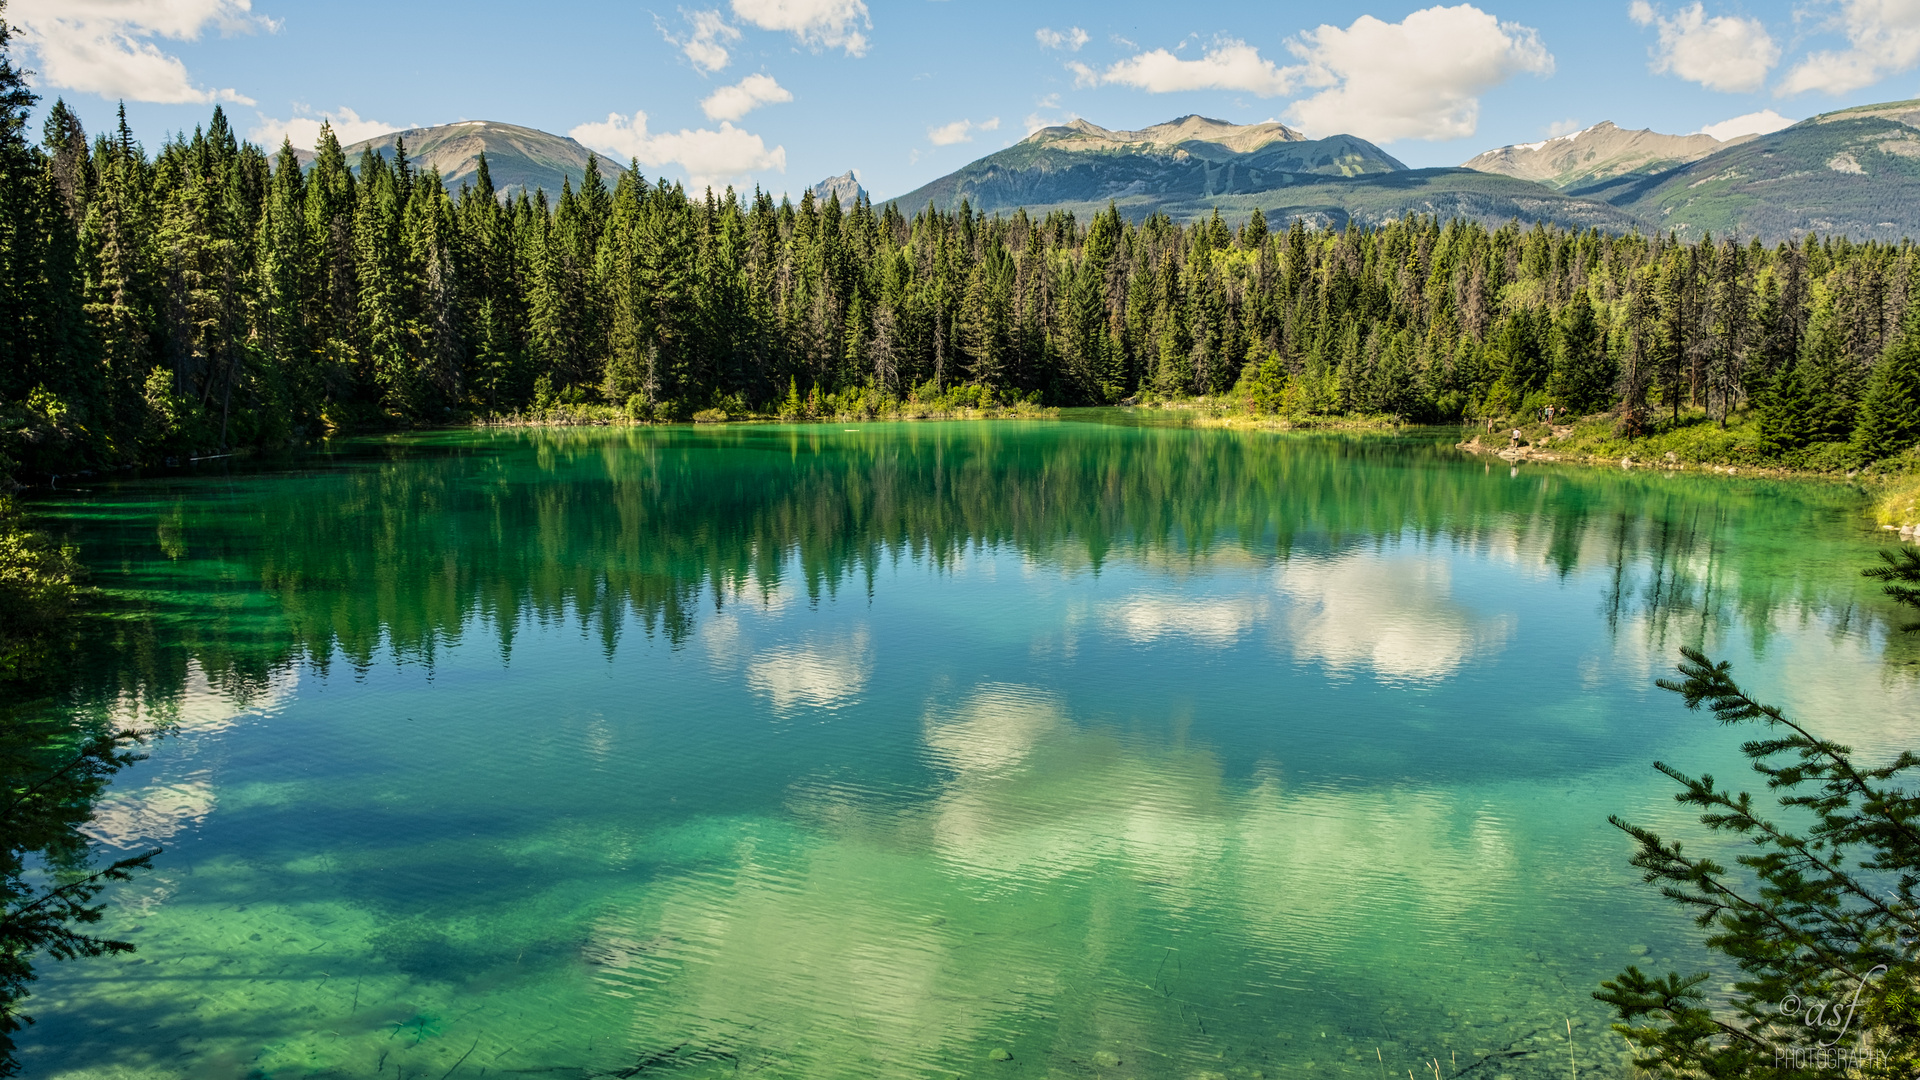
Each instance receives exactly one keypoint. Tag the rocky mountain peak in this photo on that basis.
(846, 187)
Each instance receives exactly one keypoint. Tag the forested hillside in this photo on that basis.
(1854, 172)
(208, 296)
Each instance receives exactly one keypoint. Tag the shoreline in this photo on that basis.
(1896, 498)
(1887, 492)
(1669, 462)
(517, 420)
(1211, 413)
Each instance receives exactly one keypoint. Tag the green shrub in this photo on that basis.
(37, 594)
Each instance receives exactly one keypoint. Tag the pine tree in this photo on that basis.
(434, 247)
(289, 297)
(1821, 910)
(1890, 412)
(331, 195)
(1786, 416)
(1583, 372)
(119, 290)
(1831, 377)
(20, 239)
(1668, 343)
(1523, 365)
(65, 347)
(388, 331)
(68, 161)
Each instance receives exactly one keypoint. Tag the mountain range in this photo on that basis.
(1191, 166)
(1601, 153)
(1855, 171)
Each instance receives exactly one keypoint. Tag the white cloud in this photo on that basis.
(1568, 126)
(736, 101)
(959, 131)
(819, 23)
(1759, 123)
(710, 158)
(1229, 65)
(1726, 52)
(1885, 39)
(1070, 39)
(1417, 78)
(106, 47)
(706, 45)
(1084, 77)
(303, 128)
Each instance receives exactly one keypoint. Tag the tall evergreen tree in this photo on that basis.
(1890, 411)
(1786, 419)
(1583, 372)
(21, 242)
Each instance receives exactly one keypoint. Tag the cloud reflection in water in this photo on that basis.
(1395, 615)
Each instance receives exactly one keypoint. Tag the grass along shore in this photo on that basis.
(1692, 441)
(1234, 412)
(1696, 441)
(857, 404)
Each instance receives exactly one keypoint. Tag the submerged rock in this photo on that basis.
(1106, 1059)
(999, 1053)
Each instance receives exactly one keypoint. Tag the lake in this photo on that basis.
(1090, 747)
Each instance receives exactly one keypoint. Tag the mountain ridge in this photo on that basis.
(1190, 157)
(1599, 153)
(518, 158)
(1081, 134)
(1854, 171)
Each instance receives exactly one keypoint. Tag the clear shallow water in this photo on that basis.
(1129, 750)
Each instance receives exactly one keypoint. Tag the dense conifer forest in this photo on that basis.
(210, 295)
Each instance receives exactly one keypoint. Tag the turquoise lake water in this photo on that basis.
(1050, 748)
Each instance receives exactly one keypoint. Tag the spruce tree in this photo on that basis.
(1785, 418)
(1890, 411)
(1821, 914)
(331, 194)
(68, 160)
(120, 290)
(1523, 361)
(1583, 372)
(20, 238)
(289, 300)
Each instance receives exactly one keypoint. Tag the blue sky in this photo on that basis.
(785, 92)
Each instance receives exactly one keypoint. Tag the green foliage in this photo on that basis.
(1786, 414)
(1890, 411)
(37, 593)
(1820, 919)
(1584, 373)
(1265, 385)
